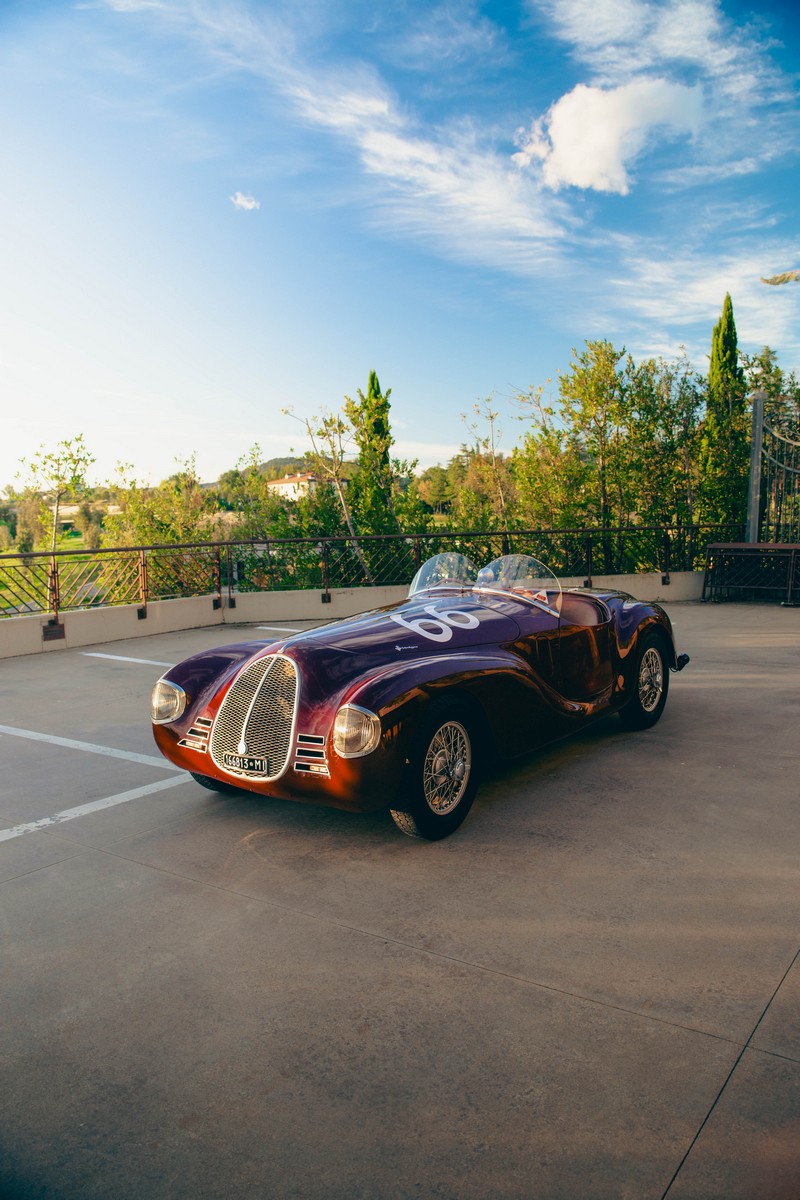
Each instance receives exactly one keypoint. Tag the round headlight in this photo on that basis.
(167, 703)
(356, 731)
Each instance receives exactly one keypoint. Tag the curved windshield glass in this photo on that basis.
(523, 577)
(449, 570)
(516, 575)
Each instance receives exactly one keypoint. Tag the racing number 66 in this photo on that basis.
(439, 624)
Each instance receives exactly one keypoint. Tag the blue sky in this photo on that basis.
(213, 210)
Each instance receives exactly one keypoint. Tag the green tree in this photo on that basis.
(256, 511)
(30, 518)
(667, 400)
(486, 497)
(550, 468)
(434, 490)
(89, 522)
(8, 514)
(58, 474)
(596, 409)
(176, 512)
(330, 435)
(372, 499)
(763, 373)
(724, 452)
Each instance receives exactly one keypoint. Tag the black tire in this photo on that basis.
(650, 686)
(215, 785)
(442, 776)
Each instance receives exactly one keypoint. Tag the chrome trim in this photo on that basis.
(230, 730)
(176, 687)
(367, 712)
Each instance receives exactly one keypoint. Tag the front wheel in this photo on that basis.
(650, 690)
(442, 777)
(215, 785)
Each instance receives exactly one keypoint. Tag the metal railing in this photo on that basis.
(75, 579)
(753, 571)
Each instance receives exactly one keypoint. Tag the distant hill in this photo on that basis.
(273, 468)
(276, 468)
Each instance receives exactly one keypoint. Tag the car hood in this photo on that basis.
(447, 623)
(331, 657)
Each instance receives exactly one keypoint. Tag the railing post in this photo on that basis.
(229, 570)
(756, 445)
(790, 601)
(217, 602)
(53, 597)
(270, 568)
(142, 565)
(326, 591)
(665, 557)
(587, 556)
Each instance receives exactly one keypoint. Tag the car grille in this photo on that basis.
(256, 718)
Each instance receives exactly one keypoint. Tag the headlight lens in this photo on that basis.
(167, 702)
(356, 731)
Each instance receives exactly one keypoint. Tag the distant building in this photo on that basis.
(292, 487)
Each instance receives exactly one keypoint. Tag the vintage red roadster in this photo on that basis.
(400, 707)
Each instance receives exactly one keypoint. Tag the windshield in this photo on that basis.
(449, 570)
(517, 575)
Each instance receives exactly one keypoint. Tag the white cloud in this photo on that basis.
(659, 288)
(447, 187)
(590, 136)
(689, 43)
(449, 33)
(616, 39)
(247, 203)
(656, 71)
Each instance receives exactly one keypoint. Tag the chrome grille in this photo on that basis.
(256, 717)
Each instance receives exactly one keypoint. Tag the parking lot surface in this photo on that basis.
(589, 992)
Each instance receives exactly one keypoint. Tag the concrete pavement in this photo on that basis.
(589, 992)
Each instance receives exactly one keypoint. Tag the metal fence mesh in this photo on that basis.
(51, 583)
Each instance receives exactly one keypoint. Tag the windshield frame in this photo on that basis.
(503, 572)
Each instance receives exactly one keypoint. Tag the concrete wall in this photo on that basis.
(31, 634)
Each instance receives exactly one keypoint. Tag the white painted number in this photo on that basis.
(439, 624)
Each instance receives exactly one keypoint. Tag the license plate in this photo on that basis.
(240, 762)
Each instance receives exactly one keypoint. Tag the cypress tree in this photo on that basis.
(724, 440)
(372, 486)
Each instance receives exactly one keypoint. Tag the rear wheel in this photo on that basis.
(442, 777)
(650, 690)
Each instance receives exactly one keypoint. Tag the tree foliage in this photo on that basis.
(177, 511)
(617, 442)
(55, 475)
(253, 510)
(782, 389)
(372, 489)
(724, 451)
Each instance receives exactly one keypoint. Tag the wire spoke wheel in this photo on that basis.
(651, 679)
(446, 769)
(442, 775)
(649, 687)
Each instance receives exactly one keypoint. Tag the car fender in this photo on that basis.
(515, 707)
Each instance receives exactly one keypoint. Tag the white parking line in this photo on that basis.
(151, 662)
(82, 810)
(149, 760)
